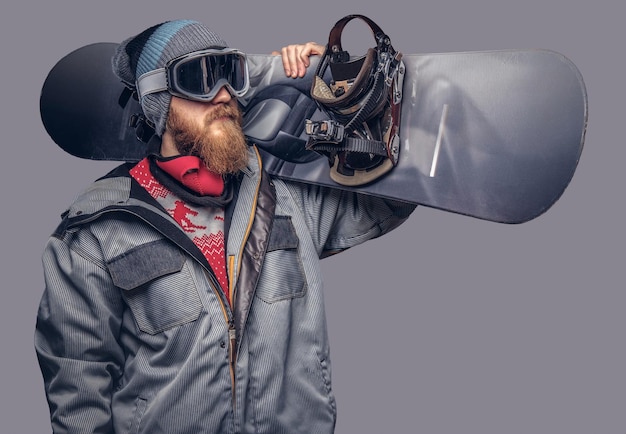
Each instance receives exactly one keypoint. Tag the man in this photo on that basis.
(183, 293)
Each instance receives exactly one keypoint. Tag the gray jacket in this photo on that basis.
(132, 335)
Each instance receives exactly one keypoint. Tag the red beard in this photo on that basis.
(219, 142)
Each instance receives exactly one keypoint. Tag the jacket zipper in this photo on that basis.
(232, 357)
(232, 332)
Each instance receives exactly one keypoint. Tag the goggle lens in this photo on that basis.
(203, 76)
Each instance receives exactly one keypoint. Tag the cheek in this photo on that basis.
(189, 109)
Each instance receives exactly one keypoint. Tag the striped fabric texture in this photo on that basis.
(132, 337)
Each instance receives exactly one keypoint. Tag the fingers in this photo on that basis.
(296, 57)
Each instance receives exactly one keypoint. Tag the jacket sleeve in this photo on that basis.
(76, 334)
(340, 219)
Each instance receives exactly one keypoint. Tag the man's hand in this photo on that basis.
(296, 57)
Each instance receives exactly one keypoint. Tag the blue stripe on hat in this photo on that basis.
(152, 50)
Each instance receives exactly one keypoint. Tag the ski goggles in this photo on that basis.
(199, 75)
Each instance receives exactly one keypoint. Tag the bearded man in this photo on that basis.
(183, 293)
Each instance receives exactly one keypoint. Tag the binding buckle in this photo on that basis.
(327, 130)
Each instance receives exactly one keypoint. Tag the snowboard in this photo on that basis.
(494, 135)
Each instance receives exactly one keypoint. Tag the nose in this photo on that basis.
(223, 96)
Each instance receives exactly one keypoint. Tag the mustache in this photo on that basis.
(229, 110)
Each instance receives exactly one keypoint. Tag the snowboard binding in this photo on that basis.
(361, 137)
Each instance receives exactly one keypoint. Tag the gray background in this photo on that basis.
(448, 325)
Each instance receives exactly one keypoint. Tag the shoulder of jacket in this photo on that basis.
(115, 190)
(108, 190)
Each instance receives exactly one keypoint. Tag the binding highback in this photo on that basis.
(362, 102)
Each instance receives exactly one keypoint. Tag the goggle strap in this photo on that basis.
(152, 82)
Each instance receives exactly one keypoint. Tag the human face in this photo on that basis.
(210, 130)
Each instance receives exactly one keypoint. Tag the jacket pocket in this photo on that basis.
(157, 286)
(325, 376)
(140, 408)
(282, 277)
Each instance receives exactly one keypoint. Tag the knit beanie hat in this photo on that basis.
(152, 49)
